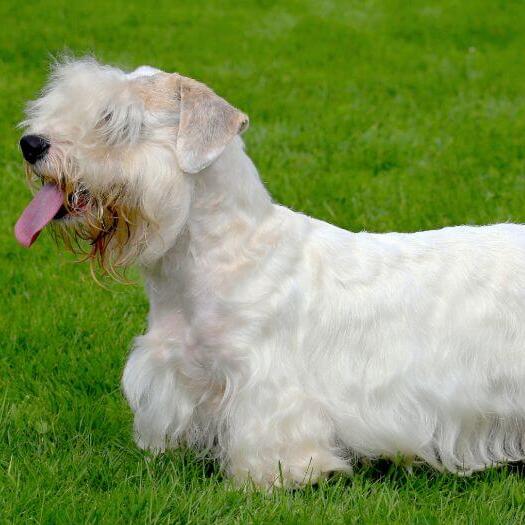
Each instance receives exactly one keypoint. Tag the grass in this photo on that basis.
(377, 115)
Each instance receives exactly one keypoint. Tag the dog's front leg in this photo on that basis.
(280, 437)
(157, 394)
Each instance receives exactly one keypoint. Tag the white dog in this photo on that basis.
(282, 344)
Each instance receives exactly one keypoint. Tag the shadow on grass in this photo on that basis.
(190, 469)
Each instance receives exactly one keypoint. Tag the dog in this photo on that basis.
(281, 345)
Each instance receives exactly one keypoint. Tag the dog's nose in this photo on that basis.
(33, 147)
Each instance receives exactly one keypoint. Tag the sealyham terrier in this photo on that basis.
(280, 344)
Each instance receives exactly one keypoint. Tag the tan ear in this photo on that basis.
(207, 125)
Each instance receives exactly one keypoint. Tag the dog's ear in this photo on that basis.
(207, 125)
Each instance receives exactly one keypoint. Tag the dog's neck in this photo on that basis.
(229, 205)
(229, 202)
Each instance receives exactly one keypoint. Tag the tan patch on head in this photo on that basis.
(207, 122)
(158, 92)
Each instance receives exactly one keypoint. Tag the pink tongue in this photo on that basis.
(40, 211)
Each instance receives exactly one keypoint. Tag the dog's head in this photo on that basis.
(116, 155)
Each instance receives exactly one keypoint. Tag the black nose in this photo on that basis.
(34, 147)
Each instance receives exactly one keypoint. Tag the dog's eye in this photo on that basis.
(121, 125)
(105, 119)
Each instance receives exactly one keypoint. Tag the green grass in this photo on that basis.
(385, 115)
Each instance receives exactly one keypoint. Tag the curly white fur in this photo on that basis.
(280, 343)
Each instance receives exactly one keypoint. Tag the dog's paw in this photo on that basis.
(293, 472)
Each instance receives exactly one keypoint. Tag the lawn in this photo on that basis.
(377, 115)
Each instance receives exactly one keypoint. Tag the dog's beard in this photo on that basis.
(103, 228)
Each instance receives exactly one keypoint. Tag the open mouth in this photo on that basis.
(76, 205)
(47, 205)
(61, 213)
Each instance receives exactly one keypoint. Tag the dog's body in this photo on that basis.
(285, 345)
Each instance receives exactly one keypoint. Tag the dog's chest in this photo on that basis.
(200, 352)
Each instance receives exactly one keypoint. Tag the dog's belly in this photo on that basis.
(418, 341)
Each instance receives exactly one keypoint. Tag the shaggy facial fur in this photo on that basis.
(280, 344)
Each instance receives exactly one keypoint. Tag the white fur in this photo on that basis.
(285, 345)
(143, 71)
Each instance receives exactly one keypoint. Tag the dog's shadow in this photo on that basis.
(188, 466)
(398, 476)
(517, 468)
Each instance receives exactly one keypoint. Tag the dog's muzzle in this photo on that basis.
(34, 147)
